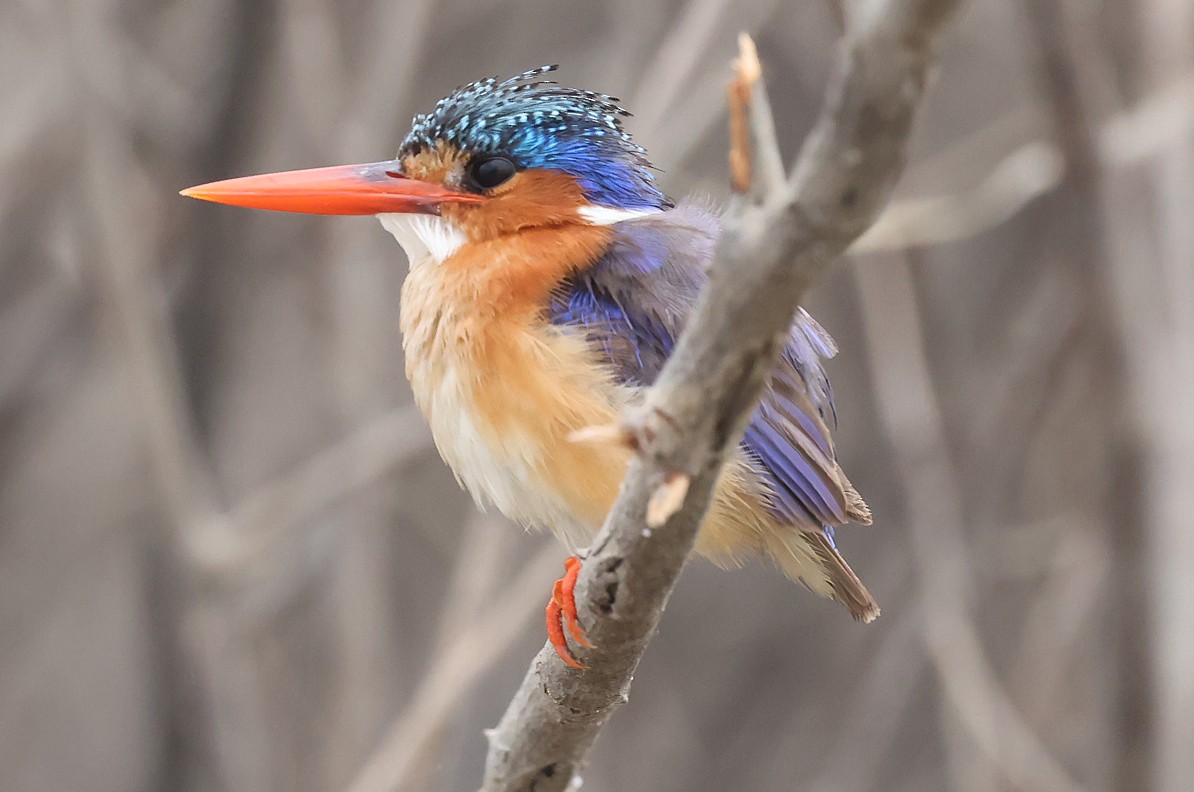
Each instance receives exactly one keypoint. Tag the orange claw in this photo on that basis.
(561, 611)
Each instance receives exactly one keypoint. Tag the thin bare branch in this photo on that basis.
(1033, 169)
(1027, 173)
(677, 60)
(1091, 254)
(769, 255)
(255, 525)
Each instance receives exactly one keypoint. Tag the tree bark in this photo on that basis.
(779, 237)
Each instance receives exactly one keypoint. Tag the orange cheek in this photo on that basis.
(531, 199)
(516, 274)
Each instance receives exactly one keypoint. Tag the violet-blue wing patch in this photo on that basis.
(633, 303)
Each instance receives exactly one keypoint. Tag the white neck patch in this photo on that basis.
(607, 215)
(430, 237)
(423, 237)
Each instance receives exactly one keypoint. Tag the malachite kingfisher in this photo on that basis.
(549, 280)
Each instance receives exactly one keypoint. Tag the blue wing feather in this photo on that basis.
(633, 303)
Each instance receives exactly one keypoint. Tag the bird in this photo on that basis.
(549, 280)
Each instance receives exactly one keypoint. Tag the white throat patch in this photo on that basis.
(423, 237)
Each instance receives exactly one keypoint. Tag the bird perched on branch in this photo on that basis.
(549, 280)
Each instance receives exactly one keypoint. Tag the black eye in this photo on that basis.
(488, 172)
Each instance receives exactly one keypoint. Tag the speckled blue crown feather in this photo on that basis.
(540, 124)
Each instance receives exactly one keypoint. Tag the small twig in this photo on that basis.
(756, 165)
(747, 71)
(608, 435)
(667, 498)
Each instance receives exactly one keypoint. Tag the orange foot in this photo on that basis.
(562, 611)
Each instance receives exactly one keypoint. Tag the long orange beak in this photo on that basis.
(372, 188)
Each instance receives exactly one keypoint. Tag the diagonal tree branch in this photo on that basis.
(776, 243)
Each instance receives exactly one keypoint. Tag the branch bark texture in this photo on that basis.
(780, 236)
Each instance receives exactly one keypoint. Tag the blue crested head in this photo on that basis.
(540, 124)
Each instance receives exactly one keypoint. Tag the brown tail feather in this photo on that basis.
(809, 558)
(848, 589)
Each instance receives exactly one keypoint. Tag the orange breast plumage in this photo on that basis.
(502, 389)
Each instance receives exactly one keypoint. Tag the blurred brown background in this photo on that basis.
(231, 560)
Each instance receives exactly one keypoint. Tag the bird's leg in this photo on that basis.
(561, 611)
